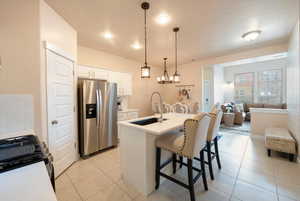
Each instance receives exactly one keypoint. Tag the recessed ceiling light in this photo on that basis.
(108, 35)
(163, 18)
(136, 46)
(251, 35)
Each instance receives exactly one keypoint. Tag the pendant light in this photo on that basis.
(176, 76)
(145, 70)
(165, 79)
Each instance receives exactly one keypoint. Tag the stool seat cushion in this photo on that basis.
(172, 142)
(279, 139)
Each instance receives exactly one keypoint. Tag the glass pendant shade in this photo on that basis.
(176, 78)
(145, 71)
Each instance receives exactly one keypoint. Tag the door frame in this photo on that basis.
(60, 52)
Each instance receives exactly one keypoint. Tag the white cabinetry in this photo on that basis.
(123, 80)
(127, 115)
(92, 73)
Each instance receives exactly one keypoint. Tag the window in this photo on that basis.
(270, 86)
(243, 87)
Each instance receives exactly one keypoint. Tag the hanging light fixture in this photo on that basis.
(176, 76)
(165, 79)
(145, 70)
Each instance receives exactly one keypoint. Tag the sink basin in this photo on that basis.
(145, 122)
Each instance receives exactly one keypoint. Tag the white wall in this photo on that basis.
(192, 72)
(219, 83)
(20, 54)
(293, 84)
(231, 71)
(55, 30)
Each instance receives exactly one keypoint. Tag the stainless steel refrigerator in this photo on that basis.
(97, 102)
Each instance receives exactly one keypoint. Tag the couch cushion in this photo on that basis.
(253, 105)
(273, 106)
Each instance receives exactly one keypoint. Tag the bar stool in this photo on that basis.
(212, 140)
(187, 145)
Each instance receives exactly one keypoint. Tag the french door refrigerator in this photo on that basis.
(97, 109)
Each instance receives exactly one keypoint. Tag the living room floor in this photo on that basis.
(243, 129)
(247, 174)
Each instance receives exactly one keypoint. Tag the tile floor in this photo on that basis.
(247, 175)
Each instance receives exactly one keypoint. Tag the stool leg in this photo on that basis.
(157, 171)
(191, 182)
(208, 145)
(181, 161)
(202, 162)
(269, 152)
(174, 156)
(217, 152)
(291, 157)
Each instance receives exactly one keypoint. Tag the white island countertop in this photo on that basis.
(173, 121)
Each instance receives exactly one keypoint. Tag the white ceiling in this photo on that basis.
(208, 27)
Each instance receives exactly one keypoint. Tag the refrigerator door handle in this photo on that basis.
(97, 107)
(100, 106)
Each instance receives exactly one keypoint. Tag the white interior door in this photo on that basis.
(61, 110)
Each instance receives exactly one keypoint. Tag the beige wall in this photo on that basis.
(191, 73)
(55, 30)
(142, 89)
(293, 84)
(20, 51)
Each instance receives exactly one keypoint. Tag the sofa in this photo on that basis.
(247, 107)
(242, 110)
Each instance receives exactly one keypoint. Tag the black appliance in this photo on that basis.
(24, 150)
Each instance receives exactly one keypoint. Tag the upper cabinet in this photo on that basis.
(92, 73)
(123, 80)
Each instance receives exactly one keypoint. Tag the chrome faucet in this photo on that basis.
(160, 119)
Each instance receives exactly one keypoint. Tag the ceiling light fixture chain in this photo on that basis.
(176, 76)
(145, 70)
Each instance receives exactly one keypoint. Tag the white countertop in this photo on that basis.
(174, 121)
(128, 110)
(29, 183)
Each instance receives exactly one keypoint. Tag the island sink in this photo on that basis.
(145, 122)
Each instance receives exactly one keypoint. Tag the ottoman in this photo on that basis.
(279, 139)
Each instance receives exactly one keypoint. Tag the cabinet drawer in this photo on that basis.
(132, 115)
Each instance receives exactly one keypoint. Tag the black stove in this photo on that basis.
(20, 151)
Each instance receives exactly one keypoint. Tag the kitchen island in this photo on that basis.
(137, 148)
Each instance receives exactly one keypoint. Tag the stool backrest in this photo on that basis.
(216, 117)
(195, 135)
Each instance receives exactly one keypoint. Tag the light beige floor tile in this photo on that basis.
(263, 166)
(67, 194)
(81, 171)
(259, 179)
(288, 173)
(88, 187)
(248, 192)
(127, 188)
(63, 181)
(114, 173)
(222, 183)
(282, 198)
(288, 190)
(111, 193)
(210, 195)
(105, 164)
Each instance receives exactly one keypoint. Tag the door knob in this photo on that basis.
(54, 122)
